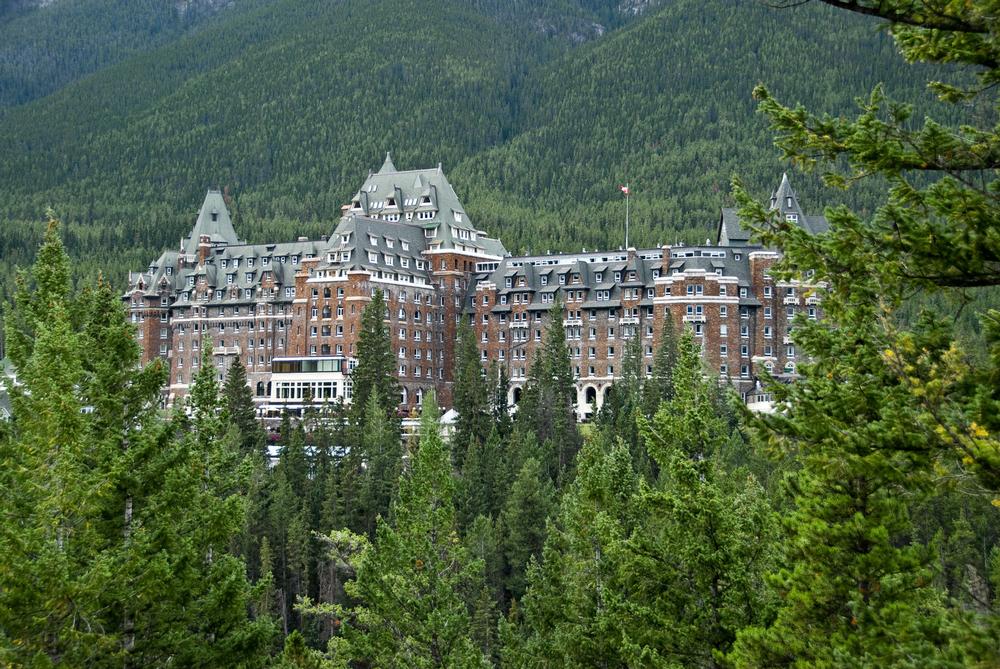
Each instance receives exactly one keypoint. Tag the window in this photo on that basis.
(372, 256)
(723, 311)
(744, 350)
(744, 331)
(767, 312)
(767, 291)
(545, 280)
(723, 349)
(767, 332)
(743, 291)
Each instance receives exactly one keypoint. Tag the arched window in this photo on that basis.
(260, 389)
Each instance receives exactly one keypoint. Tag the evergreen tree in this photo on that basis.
(376, 368)
(570, 615)
(548, 403)
(660, 387)
(471, 395)
(482, 485)
(703, 540)
(413, 581)
(123, 520)
(523, 520)
(382, 451)
(889, 402)
(240, 411)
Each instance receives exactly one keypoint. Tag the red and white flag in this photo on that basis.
(624, 190)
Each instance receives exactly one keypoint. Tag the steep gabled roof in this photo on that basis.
(214, 221)
(730, 231)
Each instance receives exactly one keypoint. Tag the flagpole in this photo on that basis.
(626, 214)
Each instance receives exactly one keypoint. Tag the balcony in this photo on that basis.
(228, 350)
(629, 320)
(518, 324)
(572, 322)
(694, 318)
(790, 299)
(787, 340)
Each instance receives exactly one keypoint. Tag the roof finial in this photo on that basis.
(387, 166)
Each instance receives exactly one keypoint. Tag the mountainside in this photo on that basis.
(47, 44)
(537, 113)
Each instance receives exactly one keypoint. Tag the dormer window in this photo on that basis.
(391, 202)
(170, 270)
(265, 262)
(792, 218)
(598, 277)
(405, 244)
(458, 217)
(372, 240)
(215, 216)
(249, 262)
(788, 200)
(425, 199)
(356, 205)
(389, 243)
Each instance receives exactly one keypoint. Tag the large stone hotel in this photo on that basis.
(290, 312)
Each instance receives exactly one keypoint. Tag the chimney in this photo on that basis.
(204, 246)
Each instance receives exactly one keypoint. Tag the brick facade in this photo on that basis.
(406, 234)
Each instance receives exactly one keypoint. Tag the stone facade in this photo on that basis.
(291, 312)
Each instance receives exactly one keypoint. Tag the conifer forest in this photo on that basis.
(857, 525)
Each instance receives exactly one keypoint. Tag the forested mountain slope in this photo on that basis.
(537, 110)
(47, 44)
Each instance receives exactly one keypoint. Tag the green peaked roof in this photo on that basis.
(387, 166)
(214, 221)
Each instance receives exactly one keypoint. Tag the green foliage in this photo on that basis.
(889, 415)
(523, 524)
(375, 371)
(115, 524)
(471, 397)
(548, 402)
(413, 580)
(277, 101)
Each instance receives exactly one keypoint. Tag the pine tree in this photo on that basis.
(412, 581)
(471, 395)
(890, 401)
(660, 387)
(240, 411)
(382, 451)
(571, 613)
(126, 519)
(703, 540)
(376, 368)
(482, 484)
(548, 403)
(523, 522)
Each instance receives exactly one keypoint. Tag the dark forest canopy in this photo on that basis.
(288, 103)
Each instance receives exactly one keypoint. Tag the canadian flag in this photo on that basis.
(624, 189)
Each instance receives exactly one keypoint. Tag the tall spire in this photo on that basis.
(387, 166)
